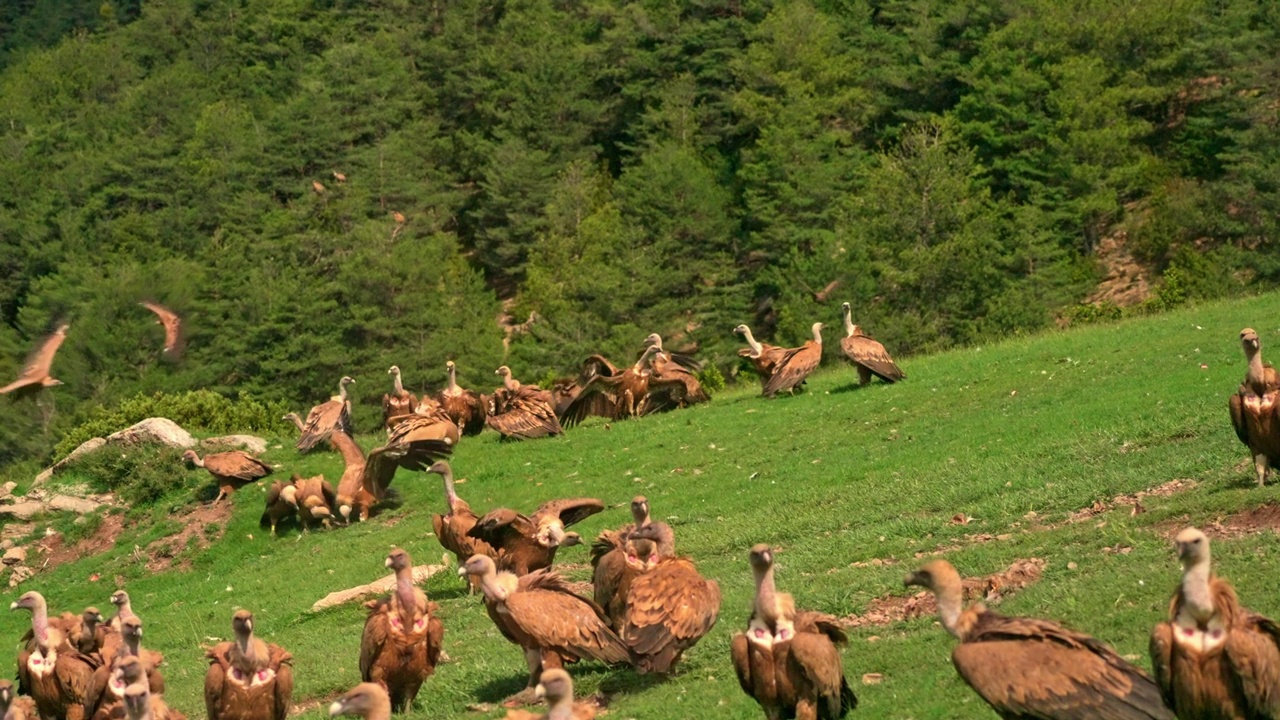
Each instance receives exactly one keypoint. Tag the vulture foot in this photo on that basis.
(1262, 466)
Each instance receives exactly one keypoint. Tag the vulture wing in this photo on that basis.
(380, 466)
(1253, 649)
(173, 337)
(793, 367)
(502, 527)
(868, 353)
(818, 674)
(322, 421)
(555, 618)
(1236, 405)
(236, 465)
(425, 439)
(596, 395)
(282, 663)
(669, 609)
(609, 567)
(569, 510)
(526, 417)
(808, 621)
(740, 653)
(1024, 667)
(38, 363)
(665, 370)
(1161, 649)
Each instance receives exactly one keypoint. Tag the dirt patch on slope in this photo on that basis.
(888, 609)
(1254, 521)
(54, 551)
(1131, 500)
(160, 554)
(1127, 282)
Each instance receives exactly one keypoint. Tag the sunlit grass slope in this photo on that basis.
(833, 476)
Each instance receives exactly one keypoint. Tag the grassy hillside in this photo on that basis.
(835, 477)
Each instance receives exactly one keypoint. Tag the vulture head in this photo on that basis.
(120, 598)
(363, 700)
(6, 696)
(640, 510)
(846, 308)
(1249, 339)
(29, 601)
(761, 558)
(393, 370)
(450, 366)
(190, 456)
(479, 565)
(398, 560)
(654, 339)
(556, 687)
(660, 535)
(128, 670)
(137, 701)
(817, 332)
(242, 624)
(1193, 547)
(496, 587)
(345, 511)
(441, 467)
(348, 380)
(571, 539)
(503, 371)
(289, 493)
(936, 576)
(92, 617)
(741, 330)
(131, 632)
(551, 533)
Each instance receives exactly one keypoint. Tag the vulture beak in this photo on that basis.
(462, 571)
(101, 618)
(540, 692)
(388, 562)
(336, 708)
(912, 579)
(346, 513)
(14, 606)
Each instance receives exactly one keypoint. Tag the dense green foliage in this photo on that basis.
(607, 168)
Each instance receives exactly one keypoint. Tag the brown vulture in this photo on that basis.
(1031, 668)
(141, 704)
(248, 679)
(1214, 658)
(109, 685)
(687, 362)
(124, 610)
(556, 689)
(1254, 408)
(525, 543)
(316, 500)
(541, 614)
(173, 337)
(764, 357)
(127, 643)
(465, 408)
(795, 364)
(281, 502)
(625, 392)
(398, 402)
(869, 356)
(87, 632)
(788, 660)
(670, 606)
(35, 373)
(402, 637)
(14, 706)
(335, 414)
(53, 672)
(413, 444)
(366, 700)
(614, 564)
(672, 384)
(232, 469)
(522, 412)
(452, 528)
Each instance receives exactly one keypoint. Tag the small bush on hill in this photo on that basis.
(140, 475)
(712, 379)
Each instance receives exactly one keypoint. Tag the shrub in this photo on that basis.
(711, 378)
(139, 475)
(1085, 313)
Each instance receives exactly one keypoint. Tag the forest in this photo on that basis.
(329, 187)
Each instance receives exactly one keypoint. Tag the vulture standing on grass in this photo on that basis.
(282, 502)
(35, 373)
(670, 606)
(173, 339)
(522, 412)
(465, 408)
(525, 543)
(402, 637)
(55, 674)
(605, 390)
(1031, 668)
(248, 679)
(788, 660)
(316, 501)
(87, 632)
(14, 706)
(764, 357)
(398, 402)
(687, 362)
(556, 689)
(869, 356)
(109, 683)
(232, 469)
(413, 444)
(366, 700)
(452, 528)
(614, 564)
(795, 364)
(1214, 658)
(335, 414)
(127, 643)
(541, 614)
(124, 610)
(1255, 408)
(672, 382)
(141, 704)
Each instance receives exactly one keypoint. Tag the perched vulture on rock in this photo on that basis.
(53, 672)
(869, 356)
(232, 469)
(248, 679)
(614, 564)
(1255, 408)
(556, 689)
(141, 704)
(764, 357)
(398, 403)
(14, 706)
(625, 392)
(1214, 658)
(173, 339)
(452, 528)
(788, 660)
(795, 364)
(282, 502)
(413, 444)
(402, 637)
(327, 417)
(1031, 668)
(670, 606)
(522, 412)
(465, 408)
(366, 700)
(527, 543)
(35, 373)
(545, 618)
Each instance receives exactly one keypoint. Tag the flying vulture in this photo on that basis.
(35, 373)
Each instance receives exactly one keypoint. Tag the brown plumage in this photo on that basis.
(173, 336)
(14, 706)
(1255, 408)
(795, 364)
(556, 689)
(625, 392)
(670, 606)
(366, 700)
(334, 414)
(402, 637)
(614, 566)
(527, 543)
(124, 610)
(53, 672)
(281, 502)
(126, 643)
(1213, 658)
(688, 362)
(247, 679)
(763, 356)
(141, 704)
(35, 373)
(672, 383)
(232, 469)
(1031, 668)
(869, 356)
(110, 682)
(413, 444)
(545, 618)
(86, 632)
(452, 528)
(316, 500)
(522, 412)
(788, 660)
(464, 407)
(399, 402)
(297, 421)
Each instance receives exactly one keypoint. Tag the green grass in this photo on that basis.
(833, 476)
